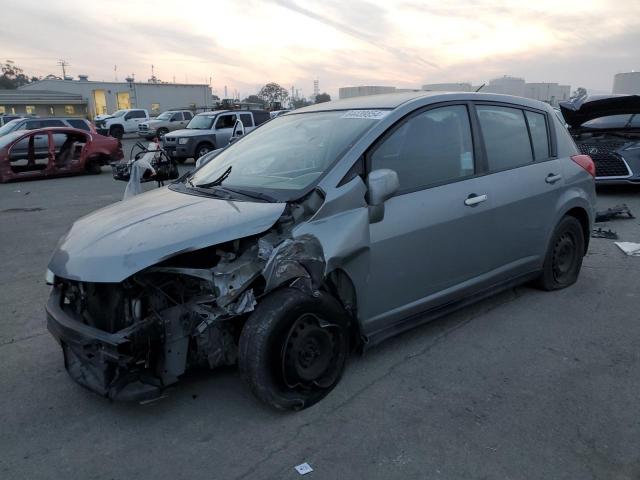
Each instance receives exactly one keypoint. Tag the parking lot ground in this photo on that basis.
(525, 385)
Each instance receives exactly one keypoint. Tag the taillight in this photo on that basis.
(585, 162)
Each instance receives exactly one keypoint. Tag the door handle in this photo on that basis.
(473, 200)
(552, 178)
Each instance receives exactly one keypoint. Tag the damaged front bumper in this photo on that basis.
(105, 363)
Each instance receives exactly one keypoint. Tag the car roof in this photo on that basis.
(211, 113)
(394, 100)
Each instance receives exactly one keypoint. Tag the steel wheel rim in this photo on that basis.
(564, 257)
(311, 353)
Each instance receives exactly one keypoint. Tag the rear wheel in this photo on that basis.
(93, 166)
(293, 348)
(116, 131)
(563, 261)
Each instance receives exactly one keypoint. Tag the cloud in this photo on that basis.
(368, 15)
(405, 43)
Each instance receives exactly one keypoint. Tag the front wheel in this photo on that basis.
(563, 260)
(161, 132)
(293, 348)
(202, 149)
(116, 132)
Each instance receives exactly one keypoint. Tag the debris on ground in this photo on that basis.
(602, 233)
(614, 213)
(304, 468)
(630, 248)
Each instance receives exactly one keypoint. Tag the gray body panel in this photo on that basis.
(115, 242)
(429, 250)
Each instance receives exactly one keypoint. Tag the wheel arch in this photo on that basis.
(582, 216)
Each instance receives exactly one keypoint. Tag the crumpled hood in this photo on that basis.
(579, 110)
(115, 242)
(188, 132)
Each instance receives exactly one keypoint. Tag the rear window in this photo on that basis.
(505, 135)
(187, 115)
(81, 124)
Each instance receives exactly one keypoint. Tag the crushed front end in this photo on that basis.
(130, 340)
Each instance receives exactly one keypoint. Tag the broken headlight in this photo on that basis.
(49, 277)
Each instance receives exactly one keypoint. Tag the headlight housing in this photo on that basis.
(49, 277)
(182, 141)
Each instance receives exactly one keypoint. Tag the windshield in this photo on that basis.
(9, 126)
(118, 113)
(614, 121)
(164, 116)
(201, 122)
(288, 153)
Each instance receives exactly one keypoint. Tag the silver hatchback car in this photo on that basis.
(325, 230)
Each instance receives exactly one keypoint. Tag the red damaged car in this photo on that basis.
(58, 151)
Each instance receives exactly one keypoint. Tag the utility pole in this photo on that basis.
(63, 64)
(115, 72)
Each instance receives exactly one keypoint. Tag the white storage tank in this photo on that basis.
(628, 83)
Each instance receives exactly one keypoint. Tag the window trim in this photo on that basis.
(400, 122)
(551, 138)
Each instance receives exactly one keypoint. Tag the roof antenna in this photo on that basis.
(480, 87)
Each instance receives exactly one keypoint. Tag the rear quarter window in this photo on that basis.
(539, 134)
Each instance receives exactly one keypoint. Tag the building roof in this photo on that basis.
(95, 82)
(38, 97)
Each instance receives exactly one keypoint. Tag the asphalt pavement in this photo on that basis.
(525, 385)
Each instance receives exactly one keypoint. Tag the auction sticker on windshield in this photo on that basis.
(366, 114)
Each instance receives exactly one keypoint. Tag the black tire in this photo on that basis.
(293, 348)
(161, 132)
(116, 132)
(203, 149)
(563, 260)
(93, 166)
(180, 160)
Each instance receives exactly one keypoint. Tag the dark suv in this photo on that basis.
(607, 128)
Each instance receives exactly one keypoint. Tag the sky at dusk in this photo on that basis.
(405, 43)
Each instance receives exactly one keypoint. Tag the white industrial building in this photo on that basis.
(349, 92)
(628, 83)
(551, 93)
(107, 97)
(506, 85)
(448, 87)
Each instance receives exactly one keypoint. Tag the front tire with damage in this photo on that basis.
(293, 348)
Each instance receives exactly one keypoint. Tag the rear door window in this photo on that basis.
(246, 119)
(81, 124)
(539, 134)
(506, 139)
(187, 115)
(430, 148)
(52, 123)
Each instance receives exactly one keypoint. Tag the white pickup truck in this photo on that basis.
(121, 122)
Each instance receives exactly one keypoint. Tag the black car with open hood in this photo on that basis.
(607, 127)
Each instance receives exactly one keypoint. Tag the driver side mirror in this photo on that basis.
(238, 129)
(382, 184)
